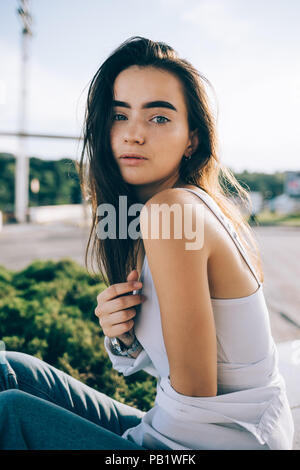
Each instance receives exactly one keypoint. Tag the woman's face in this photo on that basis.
(157, 131)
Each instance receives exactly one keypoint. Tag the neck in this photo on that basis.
(146, 191)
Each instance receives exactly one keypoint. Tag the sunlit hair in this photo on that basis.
(100, 177)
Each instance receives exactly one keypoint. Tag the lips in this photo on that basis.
(135, 156)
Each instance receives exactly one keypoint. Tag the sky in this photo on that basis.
(248, 50)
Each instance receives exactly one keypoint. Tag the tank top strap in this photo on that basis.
(213, 206)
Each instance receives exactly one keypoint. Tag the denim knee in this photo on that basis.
(10, 397)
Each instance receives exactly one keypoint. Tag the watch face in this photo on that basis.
(116, 345)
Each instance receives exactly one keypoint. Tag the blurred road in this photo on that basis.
(280, 252)
(21, 244)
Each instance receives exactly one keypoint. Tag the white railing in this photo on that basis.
(72, 213)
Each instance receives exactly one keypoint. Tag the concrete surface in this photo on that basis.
(21, 244)
(280, 252)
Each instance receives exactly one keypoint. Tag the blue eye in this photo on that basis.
(156, 117)
(117, 115)
(161, 117)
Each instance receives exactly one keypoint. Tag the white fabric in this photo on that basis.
(250, 411)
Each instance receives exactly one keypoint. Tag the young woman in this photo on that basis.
(202, 325)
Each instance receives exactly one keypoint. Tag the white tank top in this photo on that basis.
(251, 409)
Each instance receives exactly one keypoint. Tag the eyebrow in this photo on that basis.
(150, 104)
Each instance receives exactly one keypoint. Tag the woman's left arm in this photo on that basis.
(181, 282)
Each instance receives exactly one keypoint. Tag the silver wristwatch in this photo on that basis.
(121, 350)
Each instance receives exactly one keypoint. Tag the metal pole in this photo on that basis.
(22, 161)
(40, 136)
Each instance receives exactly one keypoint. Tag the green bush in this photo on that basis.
(47, 310)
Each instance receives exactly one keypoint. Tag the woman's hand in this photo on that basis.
(115, 308)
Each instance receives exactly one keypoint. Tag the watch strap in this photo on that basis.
(122, 350)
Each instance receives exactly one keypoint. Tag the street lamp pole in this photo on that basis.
(22, 161)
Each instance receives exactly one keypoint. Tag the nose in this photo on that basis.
(134, 134)
(134, 139)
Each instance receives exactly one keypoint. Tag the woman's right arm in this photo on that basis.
(129, 365)
(115, 310)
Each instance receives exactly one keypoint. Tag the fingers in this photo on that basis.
(114, 308)
(133, 275)
(118, 289)
(117, 323)
(118, 304)
(120, 329)
(117, 318)
(122, 303)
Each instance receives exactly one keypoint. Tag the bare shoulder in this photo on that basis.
(186, 207)
(172, 194)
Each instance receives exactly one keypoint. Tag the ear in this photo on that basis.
(194, 140)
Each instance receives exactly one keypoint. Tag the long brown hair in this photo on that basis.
(100, 177)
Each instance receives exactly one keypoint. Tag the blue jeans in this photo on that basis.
(42, 408)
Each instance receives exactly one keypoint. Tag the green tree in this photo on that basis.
(269, 185)
(7, 182)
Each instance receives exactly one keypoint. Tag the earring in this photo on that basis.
(189, 156)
